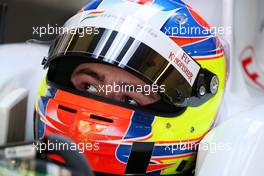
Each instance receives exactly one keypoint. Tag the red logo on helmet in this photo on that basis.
(142, 1)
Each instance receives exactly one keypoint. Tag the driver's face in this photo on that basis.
(92, 77)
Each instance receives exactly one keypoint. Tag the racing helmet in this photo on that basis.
(164, 44)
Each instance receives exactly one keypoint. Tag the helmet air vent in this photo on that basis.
(64, 108)
(96, 117)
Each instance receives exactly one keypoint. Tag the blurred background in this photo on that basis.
(18, 17)
(19, 80)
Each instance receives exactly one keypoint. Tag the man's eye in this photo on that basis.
(131, 101)
(90, 88)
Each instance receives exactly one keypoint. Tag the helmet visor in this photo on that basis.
(119, 49)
